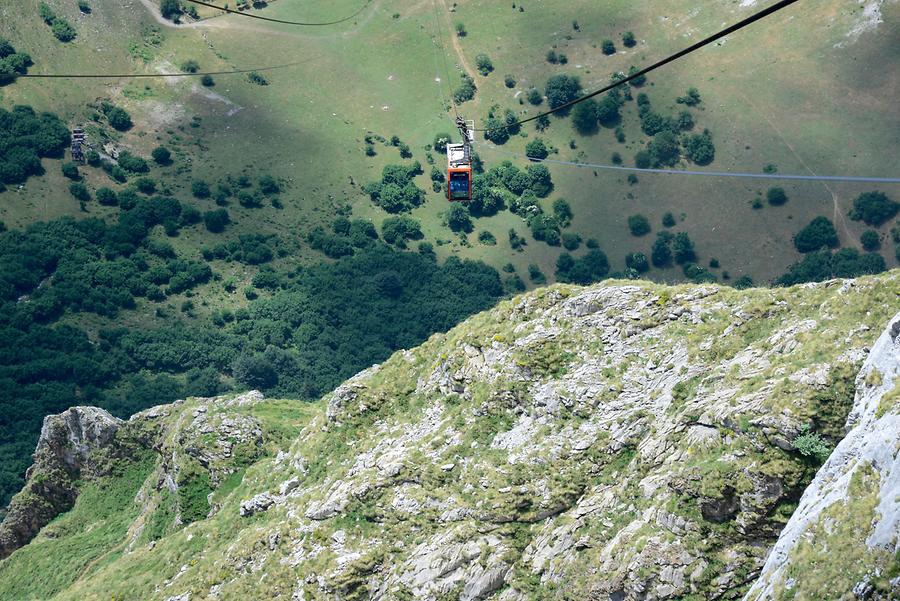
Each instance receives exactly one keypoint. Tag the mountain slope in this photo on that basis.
(615, 442)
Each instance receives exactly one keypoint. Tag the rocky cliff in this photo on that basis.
(625, 441)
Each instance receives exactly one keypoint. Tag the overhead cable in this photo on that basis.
(705, 42)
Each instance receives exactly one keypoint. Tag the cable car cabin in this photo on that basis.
(459, 173)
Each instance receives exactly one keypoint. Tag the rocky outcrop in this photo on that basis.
(71, 448)
(845, 534)
(626, 441)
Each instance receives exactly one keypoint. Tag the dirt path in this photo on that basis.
(839, 217)
(454, 39)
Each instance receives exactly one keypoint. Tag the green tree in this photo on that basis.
(609, 47)
(484, 64)
(562, 210)
(458, 218)
(639, 225)
(638, 262)
(70, 170)
(777, 196)
(190, 66)
(80, 191)
(119, 118)
(398, 230)
(509, 81)
(161, 155)
(661, 255)
(440, 142)
(820, 233)
(870, 240)
(683, 248)
(628, 39)
(534, 97)
(207, 81)
(874, 208)
(584, 117)
(170, 9)
(536, 149)
(664, 149)
(562, 89)
(668, 220)
(200, 189)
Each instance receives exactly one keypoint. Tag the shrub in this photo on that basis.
(80, 191)
(536, 275)
(870, 240)
(571, 241)
(145, 185)
(118, 118)
(509, 81)
(397, 230)
(487, 238)
(638, 262)
(698, 148)
(639, 225)
(562, 210)
(107, 197)
(584, 117)
(643, 160)
(70, 170)
(200, 189)
(440, 142)
(874, 208)
(534, 97)
(628, 39)
(536, 149)
(460, 29)
(683, 248)
(562, 89)
(62, 29)
(812, 446)
(161, 155)
(664, 149)
(777, 196)
(484, 64)
(190, 66)
(84, 7)
(207, 81)
(269, 185)
(820, 233)
(458, 218)
(132, 163)
(257, 79)
(593, 267)
(608, 47)
(661, 255)
(668, 220)
(692, 98)
(466, 90)
(170, 9)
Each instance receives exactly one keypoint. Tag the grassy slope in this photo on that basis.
(764, 100)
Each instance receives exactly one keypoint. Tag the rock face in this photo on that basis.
(67, 451)
(622, 442)
(845, 533)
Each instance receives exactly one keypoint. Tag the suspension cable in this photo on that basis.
(731, 174)
(271, 20)
(737, 26)
(440, 34)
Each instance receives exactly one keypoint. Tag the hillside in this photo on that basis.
(623, 441)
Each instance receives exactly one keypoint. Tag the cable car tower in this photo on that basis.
(459, 163)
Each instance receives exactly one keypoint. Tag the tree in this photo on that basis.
(466, 90)
(207, 81)
(254, 371)
(534, 97)
(269, 185)
(608, 47)
(661, 255)
(397, 230)
(441, 141)
(460, 29)
(190, 66)
(107, 197)
(668, 220)
(70, 170)
(170, 9)
(874, 208)
(80, 191)
(257, 79)
(639, 225)
(638, 81)
(870, 240)
(628, 39)
(664, 149)
(458, 218)
(118, 118)
(536, 149)
(683, 248)
(509, 81)
(495, 130)
(699, 148)
(200, 189)
(607, 111)
(161, 155)
(638, 262)
(643, 159)
(692, 98)
(777, 196)
(562, 210)
(540, 181)
(562, 89)
(484, 64)
(820, 233)
(584, 117)
(571, 240)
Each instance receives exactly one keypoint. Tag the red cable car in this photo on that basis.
(459, 165)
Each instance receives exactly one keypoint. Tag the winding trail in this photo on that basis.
(454, 39)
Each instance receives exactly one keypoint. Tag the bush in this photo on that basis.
(683, 248)
(216, 220)
(170, 9)
(628, 39)
(132, 163)
(870, 240)
(441, 141)
(257, 79)
(699, 148)
(26, 138)
(692, 98)
(593, 267)
(460, 29)
(207, 81)
(639, 225)
(562, 210)
(80, 191)
(466, 90)
(874, 208)
(661, 255)
(638, 262)
(777, 196)
(820, 233)
(458, 218)
(664, 149)
(487, 238)
(608, 47)
(509, 81)
(146, 185)
(668, 220)
(397, 230)
(534, 97)
(118, 118)
(536, 275)
(643, 160)
(70, 170)
(269, 185)
(584, 117)
(571, 241)
(107, 197)
(190, 66)
(484, 64)
(161, 155)
(812, 446)
(61, 28)
(562, 89)
(536, 149)
(823, 264)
